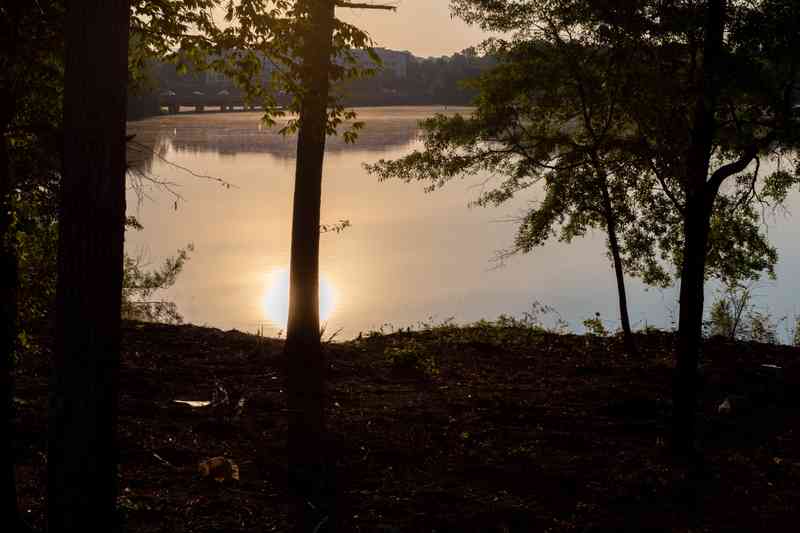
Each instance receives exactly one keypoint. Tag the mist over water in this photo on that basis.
(408, 256)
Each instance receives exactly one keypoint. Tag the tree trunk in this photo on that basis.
(613, 244)
(699, 202)
(690, 323)
(309, 470)
(82, 456)
(8, 332)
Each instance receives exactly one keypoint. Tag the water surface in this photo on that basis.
(408, 256)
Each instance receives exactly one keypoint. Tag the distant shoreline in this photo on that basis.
(188, 112)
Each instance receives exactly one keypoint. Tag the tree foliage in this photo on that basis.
(547, 117)
(140, 285)
(559, 96)
(703, 93)
(258, 47)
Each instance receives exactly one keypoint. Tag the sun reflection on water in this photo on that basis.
(276, 297)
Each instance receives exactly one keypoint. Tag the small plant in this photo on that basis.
(649, 329)
(139, 285)
(795, 334)
(721, 321)
(412, 356)
(534, 319)
(791, 328)
(762, 328)
(733, 315)
(322, 329)
(594, 326)
(728, 312)
(126, 505)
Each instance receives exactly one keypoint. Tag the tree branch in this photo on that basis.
(666, 189)
(751, 192)
(726, 171)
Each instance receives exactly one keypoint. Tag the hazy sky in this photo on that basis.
(423, 27)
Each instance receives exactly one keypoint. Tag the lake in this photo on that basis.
(409, 257)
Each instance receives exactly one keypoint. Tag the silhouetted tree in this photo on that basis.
(31, 139)
(708, 88)
(303, 351)
(30, 40)
(8, 330)
(299, 49)
(719, 79)
(311, 472)
(82, 455)
(549, 113)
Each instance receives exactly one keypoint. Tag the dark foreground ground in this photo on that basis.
(447, 430)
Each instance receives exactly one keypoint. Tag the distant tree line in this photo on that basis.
(400, 79)
(429, 81)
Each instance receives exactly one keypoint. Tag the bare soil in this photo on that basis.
(496, 430)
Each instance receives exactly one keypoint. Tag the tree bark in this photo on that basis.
(690, 321)
(8, 329)
(610, 219)
(309, 470)
(82, 457)
(700, 198)
(613, 244)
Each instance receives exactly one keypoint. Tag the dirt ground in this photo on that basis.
(448, 430)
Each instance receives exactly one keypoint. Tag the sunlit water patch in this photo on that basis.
(276, 298)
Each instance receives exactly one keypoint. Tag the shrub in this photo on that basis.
(728, 312)
(139, 285)
(594, 326)
(649, 329)
(412, 356)
(795, 336)
(734, 316)
(762, 328)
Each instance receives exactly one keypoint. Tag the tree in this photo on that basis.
(82, 463)
(29, 88)
(556, 112)
(550, 112)
(299, 49)
(726, 104)
(703, 90)
(8, 316)
(303, 351)
(31, 91)
(310, 470)
(185, 31)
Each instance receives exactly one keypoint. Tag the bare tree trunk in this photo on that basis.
(8, 330)
(82, 460)
(690, 323)
(610, 219)
(309, 470)
(613, 244)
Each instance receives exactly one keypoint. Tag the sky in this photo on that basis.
(423, 27)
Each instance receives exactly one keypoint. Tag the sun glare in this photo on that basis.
(276, 298)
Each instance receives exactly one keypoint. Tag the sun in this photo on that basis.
(276, 297)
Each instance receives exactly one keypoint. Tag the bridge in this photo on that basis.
(224, 100)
